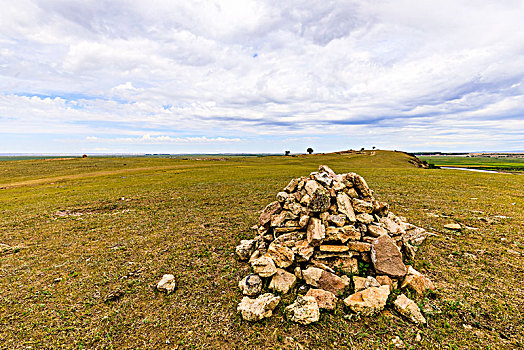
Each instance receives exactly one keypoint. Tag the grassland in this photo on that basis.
(93, 236)
(477, 162)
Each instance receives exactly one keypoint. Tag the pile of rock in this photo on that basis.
(326, 238)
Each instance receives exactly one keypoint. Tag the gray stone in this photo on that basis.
(303, 250)
(259, 308)
(344, 207)
(337, 220)
(323, 178)
(362, 283)
(376, 231)
(250, 285)
(391, 226)
(320, 201)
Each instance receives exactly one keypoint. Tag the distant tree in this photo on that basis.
(309, 150)
(84, 156)
(361, 149)
(374, 147)
(287, 153)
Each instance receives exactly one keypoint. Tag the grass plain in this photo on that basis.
(478, 162)
(93, 236)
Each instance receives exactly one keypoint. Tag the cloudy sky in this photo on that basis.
(173, 76)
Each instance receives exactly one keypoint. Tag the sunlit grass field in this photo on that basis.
(92, 237)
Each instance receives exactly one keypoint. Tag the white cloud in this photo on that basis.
(259, 69)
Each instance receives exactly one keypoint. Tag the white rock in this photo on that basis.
(304, 310)
(259, 308)
(282, 281)
(407, 308)
(166, 284)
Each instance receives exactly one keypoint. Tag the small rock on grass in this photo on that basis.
(325, 300)
(304, 310)
(259, 308)
(409, 309)
(455, 227)
(251, 285)
(369, 301)
(166, 284)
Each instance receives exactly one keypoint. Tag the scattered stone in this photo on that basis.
(264, 266)
(259, 308)
(282, 281)
(304, 310)
(455, 227)
(386, 257)
(166, 284)
(251, 285)
(417, 282)
(369, 301)
(407, 308)
(398, 343)
(391, 226)
(325, 300)
(245, 249)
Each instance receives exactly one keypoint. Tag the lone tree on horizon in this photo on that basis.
(309, 150)
(287, 153)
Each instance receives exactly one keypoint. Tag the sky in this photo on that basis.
(172, 76)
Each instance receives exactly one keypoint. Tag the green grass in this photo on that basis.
(186, 216)
(485, 163)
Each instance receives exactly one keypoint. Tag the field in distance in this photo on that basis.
(89, 239)
(478, 162)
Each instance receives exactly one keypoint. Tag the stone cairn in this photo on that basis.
(313, 240)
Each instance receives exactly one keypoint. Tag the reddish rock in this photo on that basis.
(325, 300)
(271, 209)
(386, 257)
(316, 232)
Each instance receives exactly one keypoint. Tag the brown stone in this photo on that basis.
(359, 246)
(385, 281)
(316, 232)
(322, 279)
(407, 308)
(368, 301)
(333, 248)
(351, 192)
(271, 209)
(360, 184)
(291, 186)
(282, 256)
(349, 233)
(362, 283)
(304, 310)
(259, 308)
(386, 257)
(391, 226)
(376, 231)
(417, 282)
(282, 281)
(380, 208)
(361, 206)
(303, 250)
(345, 265)
(365, 218)
(325, 300)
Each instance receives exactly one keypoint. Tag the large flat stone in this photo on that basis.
(386, 257)
(368, 301)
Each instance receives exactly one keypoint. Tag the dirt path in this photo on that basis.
(48, 180)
